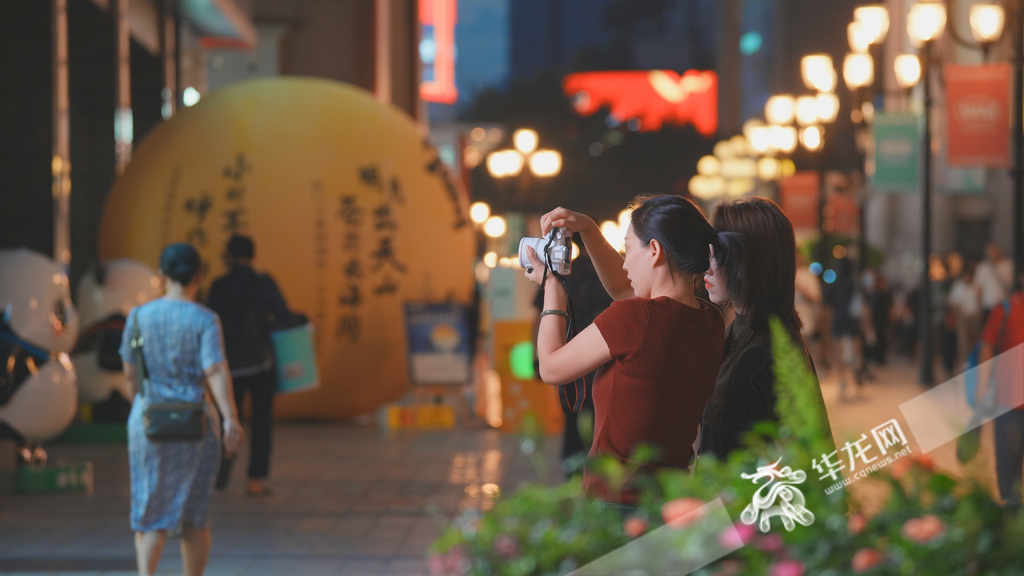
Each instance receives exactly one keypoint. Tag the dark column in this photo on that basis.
(26, 126)
(92, 86)
(1018, 140)
(927, 377)
(729, 81)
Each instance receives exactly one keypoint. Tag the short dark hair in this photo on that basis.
(679, 226)
(241, 247)
(759, 261)
(180, 262)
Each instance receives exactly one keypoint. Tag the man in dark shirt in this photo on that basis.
(250, 307)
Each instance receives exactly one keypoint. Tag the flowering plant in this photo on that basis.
(931, 523)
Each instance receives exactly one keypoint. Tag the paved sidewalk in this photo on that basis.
(347, 500)
(878, 401)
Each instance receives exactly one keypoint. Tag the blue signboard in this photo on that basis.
(439, 345)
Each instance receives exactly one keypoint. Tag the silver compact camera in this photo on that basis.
(559, 244)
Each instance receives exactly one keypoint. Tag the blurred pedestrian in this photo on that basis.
(658, 346)
(965, 302)
(182, 358)
(754, 268)
(807, 299)
(250, 307)
(904, 312)
(881, 303)
(847, 310)
(942, 284)
(994, 275)
(1004, 331)
(868, 335)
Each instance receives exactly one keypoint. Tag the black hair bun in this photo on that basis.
(180, 262)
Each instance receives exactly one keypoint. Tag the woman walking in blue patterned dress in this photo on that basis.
(183, 352)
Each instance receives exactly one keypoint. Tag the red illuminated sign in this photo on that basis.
(442, 16)
(655, 97)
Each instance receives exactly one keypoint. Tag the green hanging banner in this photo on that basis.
(897, 153)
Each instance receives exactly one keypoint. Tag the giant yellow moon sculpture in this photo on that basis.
(351, 211)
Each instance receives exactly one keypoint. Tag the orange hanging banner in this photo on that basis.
(977, 108)
(799, 196)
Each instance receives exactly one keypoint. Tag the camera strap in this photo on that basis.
(570, 396)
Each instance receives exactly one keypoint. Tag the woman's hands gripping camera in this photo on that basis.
(606, 259)
(535, 272)
(562, 218)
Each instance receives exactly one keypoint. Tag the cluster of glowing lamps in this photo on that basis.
(926, 22)
(809, 113)
(734, 165)
(507, 163)
(736, 162)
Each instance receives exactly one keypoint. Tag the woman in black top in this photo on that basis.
(754, 270)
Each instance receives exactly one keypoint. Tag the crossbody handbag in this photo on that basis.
(166, 421)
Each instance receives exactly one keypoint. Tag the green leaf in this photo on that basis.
(798, 395)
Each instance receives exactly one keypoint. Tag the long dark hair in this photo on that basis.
(679, 226)
(759, 261)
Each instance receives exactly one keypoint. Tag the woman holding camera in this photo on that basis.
(182, 358)
(658, 346)
(754, 269)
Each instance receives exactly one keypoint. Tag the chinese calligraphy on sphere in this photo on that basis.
(347, 206)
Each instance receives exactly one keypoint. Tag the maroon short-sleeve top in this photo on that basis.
(665, 357)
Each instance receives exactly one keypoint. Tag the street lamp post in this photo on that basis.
(987, 23)
(925, 24)
(859, 74)
(860, 69)
(818, 73)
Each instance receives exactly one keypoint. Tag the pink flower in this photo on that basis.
(682, 512)
(506, 546)
(787, 568)
(857, 523)
(924, 529)
(736, 536)
(866, 559)
(436, 564)
(769, 542)
(451, 563)
(635, 527)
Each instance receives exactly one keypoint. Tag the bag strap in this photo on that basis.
(140, 358)
(570, 396)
